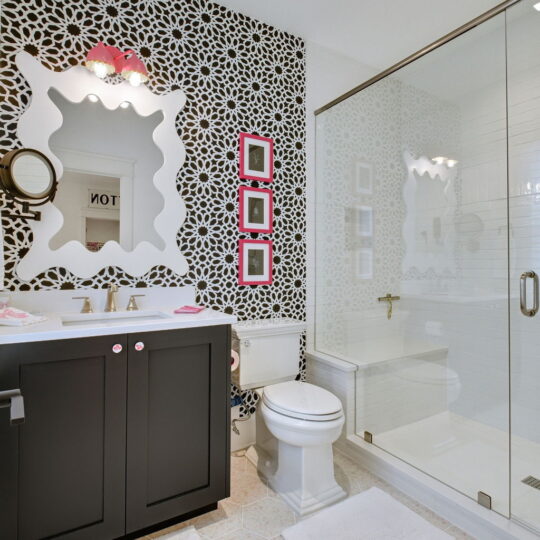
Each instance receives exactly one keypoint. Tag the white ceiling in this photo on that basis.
(377, 33)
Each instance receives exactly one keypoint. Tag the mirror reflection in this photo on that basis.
(106, 192)
(31, 174)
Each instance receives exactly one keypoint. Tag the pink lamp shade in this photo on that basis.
(105, 60)
(100, 60)
(134, 70)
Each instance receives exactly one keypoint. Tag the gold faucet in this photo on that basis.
(388, 298)
(87, 304)
(111, 298)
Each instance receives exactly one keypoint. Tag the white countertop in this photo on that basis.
(58, 304)
(53, 328)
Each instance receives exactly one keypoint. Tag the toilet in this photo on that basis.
(296, 422)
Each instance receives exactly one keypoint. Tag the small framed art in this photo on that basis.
(255, 262)
(364, 263)
(363, 178)
(256, 157)
(256, 210)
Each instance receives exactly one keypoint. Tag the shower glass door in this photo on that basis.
(523, 49)
(412, 260)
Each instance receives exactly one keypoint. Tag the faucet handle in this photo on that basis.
(132, 304)
(87, 305)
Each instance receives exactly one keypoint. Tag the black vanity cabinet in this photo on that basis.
(114, 442)
(177, 423)
(62, 471)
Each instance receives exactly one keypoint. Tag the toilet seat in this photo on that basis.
(302, 401)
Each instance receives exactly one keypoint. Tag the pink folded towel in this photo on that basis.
(15, 317)
(189, 309)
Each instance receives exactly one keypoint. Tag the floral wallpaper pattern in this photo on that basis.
(239, 75)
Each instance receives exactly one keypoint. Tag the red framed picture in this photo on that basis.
(255, 262)
(256, 210)
(256, 157)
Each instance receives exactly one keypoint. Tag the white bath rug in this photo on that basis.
(185, 534)
(371, 515)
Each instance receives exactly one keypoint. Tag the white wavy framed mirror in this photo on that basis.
(116, 152)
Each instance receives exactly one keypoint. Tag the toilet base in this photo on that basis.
(305, 477)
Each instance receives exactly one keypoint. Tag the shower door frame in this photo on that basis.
(493, 12)
(499, 8)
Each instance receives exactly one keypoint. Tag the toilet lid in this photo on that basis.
(302, 400)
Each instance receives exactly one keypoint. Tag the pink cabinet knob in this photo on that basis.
(139, 346)
(117, 348)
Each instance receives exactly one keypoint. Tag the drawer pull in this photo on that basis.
(139, 346)
(14, 400)
(117, 348)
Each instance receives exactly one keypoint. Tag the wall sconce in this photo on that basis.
(441, 160)
(105, 60)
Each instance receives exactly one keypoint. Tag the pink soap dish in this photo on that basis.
(189, 309)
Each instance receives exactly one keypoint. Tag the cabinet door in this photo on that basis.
(178, 423)
(63, 470)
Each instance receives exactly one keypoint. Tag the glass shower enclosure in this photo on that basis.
(427, 256)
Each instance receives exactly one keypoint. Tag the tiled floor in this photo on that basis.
(255, 512)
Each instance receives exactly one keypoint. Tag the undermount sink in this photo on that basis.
(116, 317)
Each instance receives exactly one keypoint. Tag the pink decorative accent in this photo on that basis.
(9, 313)
(246, 280)
(133, 63)
(242, 215)
(116, 60)
(139, 346)
(101, 53)
(244, 140)
(189, 309)
(117, 348)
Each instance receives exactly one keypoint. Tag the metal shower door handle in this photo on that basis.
(523, 293)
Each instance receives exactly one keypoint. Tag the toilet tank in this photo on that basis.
(269, 351)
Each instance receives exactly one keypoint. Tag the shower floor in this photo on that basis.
(470, 457)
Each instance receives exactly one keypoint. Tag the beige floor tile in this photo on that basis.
(242, 534)
(225, 519)
(268, 517)
(254, 511)
(247, 487)
(345, 463)
(272, 493)
(238, 464)
(351, 477)
(169, 530)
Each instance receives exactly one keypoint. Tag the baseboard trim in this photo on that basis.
(443, 500)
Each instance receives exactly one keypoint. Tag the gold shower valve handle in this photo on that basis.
(388, 298)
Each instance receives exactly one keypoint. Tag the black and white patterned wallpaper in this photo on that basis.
(238, 75)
